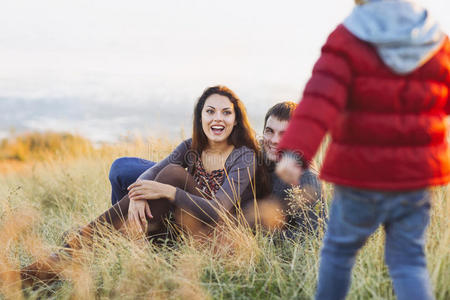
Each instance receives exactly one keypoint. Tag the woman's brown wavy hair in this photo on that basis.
(242, 134)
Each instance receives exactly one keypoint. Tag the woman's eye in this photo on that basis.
(209, 111)
(227, 112)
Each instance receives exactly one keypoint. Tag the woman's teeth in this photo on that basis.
(217, 129)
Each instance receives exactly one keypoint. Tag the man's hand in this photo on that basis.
(289, 170)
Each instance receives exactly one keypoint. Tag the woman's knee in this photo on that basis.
(173, 174)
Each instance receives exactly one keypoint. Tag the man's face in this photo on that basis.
(272, 134)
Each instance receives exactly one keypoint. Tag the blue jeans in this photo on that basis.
(124, 172)
(355, 215)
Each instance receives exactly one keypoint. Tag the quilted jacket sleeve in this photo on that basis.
(324, 98)
(446, 68)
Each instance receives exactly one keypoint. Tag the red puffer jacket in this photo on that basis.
(388, 131)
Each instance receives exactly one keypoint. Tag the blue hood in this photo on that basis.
(403, 32)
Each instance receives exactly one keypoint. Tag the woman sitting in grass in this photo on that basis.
(304, 212)
(203, 179)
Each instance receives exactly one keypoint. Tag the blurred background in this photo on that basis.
(107, 69)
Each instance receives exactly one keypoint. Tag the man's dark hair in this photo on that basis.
(282, 111)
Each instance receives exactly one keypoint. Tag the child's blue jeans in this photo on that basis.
(356, 214)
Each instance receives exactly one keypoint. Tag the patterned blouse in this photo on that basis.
(208, 183)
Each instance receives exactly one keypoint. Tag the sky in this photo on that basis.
(104, 68)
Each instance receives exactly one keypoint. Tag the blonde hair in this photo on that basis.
(360, 2)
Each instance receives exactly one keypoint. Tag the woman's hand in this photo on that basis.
(139, 193)
(137, 212)
(150, 190)
(289, 170)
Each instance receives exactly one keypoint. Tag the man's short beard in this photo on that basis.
(267, 161)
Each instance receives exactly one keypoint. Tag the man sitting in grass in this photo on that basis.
(304, 204)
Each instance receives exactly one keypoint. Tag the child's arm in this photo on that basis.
(324, 98)
(446, 50)
(447, 105)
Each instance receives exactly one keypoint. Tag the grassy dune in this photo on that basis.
(45, 197)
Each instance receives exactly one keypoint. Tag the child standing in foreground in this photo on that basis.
(381, 88)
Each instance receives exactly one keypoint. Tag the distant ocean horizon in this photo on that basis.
(108, 121)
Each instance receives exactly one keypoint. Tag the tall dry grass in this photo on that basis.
(39, 203)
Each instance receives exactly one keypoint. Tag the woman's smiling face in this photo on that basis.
(218, 118)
